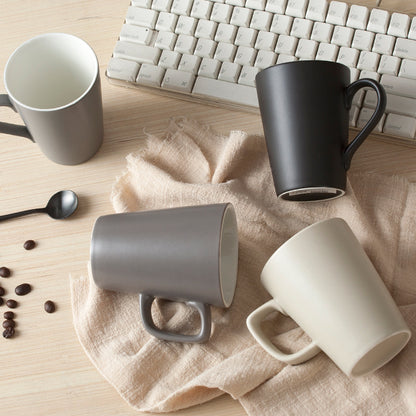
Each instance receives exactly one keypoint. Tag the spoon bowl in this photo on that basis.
(61, 205)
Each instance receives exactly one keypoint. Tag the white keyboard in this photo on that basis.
(211, 51)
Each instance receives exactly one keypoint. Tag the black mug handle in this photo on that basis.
(375, 118)
(147, 320)
(12, 129)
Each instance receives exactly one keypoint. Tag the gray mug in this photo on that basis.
(53, 82)
(186, 254)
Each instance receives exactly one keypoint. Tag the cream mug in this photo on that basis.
(323, 279)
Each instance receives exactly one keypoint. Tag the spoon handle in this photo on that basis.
(21, 213)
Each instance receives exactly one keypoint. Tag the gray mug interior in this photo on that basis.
(50, 71)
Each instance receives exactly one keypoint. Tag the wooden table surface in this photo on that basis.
(43, 369)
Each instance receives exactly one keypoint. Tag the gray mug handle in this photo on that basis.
(12, 129)
(204, 313)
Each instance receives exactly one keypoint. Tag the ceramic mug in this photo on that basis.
(304, 107)
(325, 282)
(186, 254)
(53, 82)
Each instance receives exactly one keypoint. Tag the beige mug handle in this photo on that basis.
(254, 321)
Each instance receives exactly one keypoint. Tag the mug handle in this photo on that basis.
(254, 321)
(375, 118)
(204, 313)
(12, 129)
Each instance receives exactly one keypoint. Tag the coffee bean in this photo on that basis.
(11, 303)
(2, 291)
(8, 315)
(5, 272)
(49, 306)
(9, 323)
(29, 244)
(1, 301)
(23, 289)
(8, 332)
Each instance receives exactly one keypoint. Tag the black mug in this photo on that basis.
(304, 107)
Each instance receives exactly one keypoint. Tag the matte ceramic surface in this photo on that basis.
(187, 254)
(324, 281)
(53, 82)
(304, 108)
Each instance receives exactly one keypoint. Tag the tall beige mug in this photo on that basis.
(323, 279)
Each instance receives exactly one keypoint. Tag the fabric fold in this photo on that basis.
(193, 165)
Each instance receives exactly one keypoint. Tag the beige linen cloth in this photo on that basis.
(193, 165)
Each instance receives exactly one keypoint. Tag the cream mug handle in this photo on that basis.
(254, 321)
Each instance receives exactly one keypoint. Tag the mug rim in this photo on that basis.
(50, 35)
(296, 236)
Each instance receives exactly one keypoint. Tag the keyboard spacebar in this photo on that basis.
(226, 91)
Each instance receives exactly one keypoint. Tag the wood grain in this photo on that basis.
(44, 369)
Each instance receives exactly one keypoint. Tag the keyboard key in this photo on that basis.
(327, 52)
(225, 52)
(227, 91)
(185, 44)
(141, 17)
(405, 48)
(400, 126)
(181, 7)
(296, 8)
(189, 63)
(282, 58)
(178, 80)
(166, 22)
(389, 65)
(248, 76)
(317, 10)
(378, 21)
(265, 59)
(205, 29)
(412, 30)
(369, 74)
(186, 25)
(383, 44)
(150, 75)
(322, 32)
(241, 17)
(122, 69)
(205, 48)
(301, 28)
(245, 55)
(337, 13)
(201, 9)
(306, 49)
(225, 33)
(209, 68)
(281, 24)
(342, 36)
(165, 40)
(399, 25)
(229, 72)
(256, 4)
(348, 56)
(245, 37)
(276, 6)
(161, 5)
(286, 45)
(368, 61)
(408, 69)
(169, 59)
(135, 52)
(358, 17)
(221, 13)
(136, 34)
(261, 20)
(363, 40)
(399, 86)
(266, 41)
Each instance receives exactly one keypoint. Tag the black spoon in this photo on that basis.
(60, 206)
